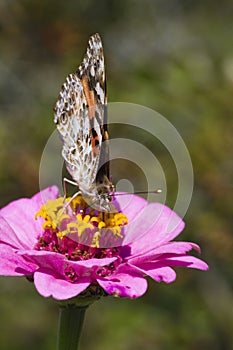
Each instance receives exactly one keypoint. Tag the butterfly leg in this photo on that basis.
(65, 181)
(72, 198)
(66, 205)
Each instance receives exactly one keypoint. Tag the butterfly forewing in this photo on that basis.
(93, 67)
(81, 118)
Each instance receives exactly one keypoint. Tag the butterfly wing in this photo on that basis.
(92, 74)
(79, 115)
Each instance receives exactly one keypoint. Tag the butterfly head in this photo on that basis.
(99, 196)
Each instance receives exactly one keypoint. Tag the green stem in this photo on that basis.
(70, 324)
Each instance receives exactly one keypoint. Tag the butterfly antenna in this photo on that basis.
(139, 192)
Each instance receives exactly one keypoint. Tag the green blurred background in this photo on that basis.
(175, 57)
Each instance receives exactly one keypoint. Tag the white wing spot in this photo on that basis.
(99, 92)
(92, 71)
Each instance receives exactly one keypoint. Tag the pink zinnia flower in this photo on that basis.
(48, 250)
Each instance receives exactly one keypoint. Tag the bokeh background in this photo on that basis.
(175, 57)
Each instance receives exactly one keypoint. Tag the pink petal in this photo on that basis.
(18, 226)
(125, 283)
(57, 261)
(50, 285)
(94, 262)
(157, 225)
(186, 261)
(49, 261)
(130, 204)
(166, 274)
(169, 248)
(176, 248)
(12, 264)
(140, 225)
(43, 196)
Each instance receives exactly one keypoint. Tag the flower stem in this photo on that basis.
(70, 324)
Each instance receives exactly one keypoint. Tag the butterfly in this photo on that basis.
(81, 118)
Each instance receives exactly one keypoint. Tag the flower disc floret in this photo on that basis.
(80, 223)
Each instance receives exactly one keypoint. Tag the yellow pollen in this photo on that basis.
(47, 225)
(95, 219)
(86, 218)
(101, 224)
(79, 217)
(110, 222)
(60, 235)
(95, 240)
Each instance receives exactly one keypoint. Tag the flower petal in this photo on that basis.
(157, 225)
(126, 283)
(18, 234)
(43, 196)
(55, 261)
(166, 273)
(186, 261)
(130, 204)
(18, 226)
(48, 261)
(12, 264)
(169, 248)
(60, 289)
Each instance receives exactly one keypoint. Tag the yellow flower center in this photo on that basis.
(75, 219)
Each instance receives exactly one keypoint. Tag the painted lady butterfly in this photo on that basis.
(81, 119)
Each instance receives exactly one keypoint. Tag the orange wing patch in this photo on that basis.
(90, 97)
